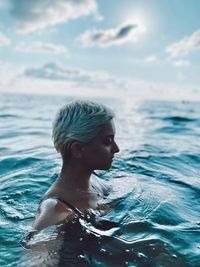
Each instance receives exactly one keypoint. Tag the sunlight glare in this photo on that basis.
(139, 17)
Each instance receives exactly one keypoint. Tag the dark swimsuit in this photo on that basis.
(88, 217)
(101, 224)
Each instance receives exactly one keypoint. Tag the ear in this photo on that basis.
(76, 149)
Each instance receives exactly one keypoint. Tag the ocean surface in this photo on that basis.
(155, 178)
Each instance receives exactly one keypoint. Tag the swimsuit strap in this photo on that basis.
(74, 209)
(77, 211)
(96, 174)
(102, 224)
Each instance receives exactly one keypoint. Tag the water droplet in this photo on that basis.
(140, 255)
(102, 250)
(81, 256)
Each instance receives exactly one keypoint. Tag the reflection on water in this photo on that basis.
(155, 180)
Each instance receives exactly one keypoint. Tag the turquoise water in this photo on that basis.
(155, 179)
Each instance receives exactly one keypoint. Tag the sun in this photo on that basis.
(138, 17)
(139, 21)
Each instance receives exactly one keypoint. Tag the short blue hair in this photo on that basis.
(79, 121)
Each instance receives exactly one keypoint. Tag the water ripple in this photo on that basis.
(155, 182)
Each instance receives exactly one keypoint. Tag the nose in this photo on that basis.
(115, 147)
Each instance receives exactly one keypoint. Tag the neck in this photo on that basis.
(75, 176)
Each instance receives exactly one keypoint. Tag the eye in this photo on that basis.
(109, 140)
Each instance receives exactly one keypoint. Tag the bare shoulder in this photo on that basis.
(50, 212)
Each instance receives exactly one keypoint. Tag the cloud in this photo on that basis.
(53, 78)
(15, 80)
(40, 47)
(184, 46)
(151, 58)
(4, 40)
(56, 72)
(38, 14)
(181, 63)
(127, 32)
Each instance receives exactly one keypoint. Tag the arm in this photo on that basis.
(51, 212)
(40, 252)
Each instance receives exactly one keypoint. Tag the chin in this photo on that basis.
(105, 167)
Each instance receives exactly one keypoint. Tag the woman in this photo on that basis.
(83, 133)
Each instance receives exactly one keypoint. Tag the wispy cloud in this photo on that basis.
(54, 71)
(32, 15)
(185, 46)
(151, 58)
(4, 40)
(127, 32)
(40, 47)
(54, 78)
(97, 83)
(181, 63)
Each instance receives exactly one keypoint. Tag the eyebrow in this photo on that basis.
(110, 135)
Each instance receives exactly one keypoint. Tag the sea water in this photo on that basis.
(155, 180)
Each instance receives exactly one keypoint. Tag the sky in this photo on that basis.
(139, 48)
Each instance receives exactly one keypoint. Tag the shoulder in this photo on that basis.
(51, 211)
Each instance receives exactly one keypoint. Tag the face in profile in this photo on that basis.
(98, 154)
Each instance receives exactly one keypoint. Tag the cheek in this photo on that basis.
(103, 151)
(98, 149)
(102, 157)
(99, 157)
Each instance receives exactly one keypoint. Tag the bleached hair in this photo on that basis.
(79, 121)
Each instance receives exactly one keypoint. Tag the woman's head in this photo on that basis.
(79, 121)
